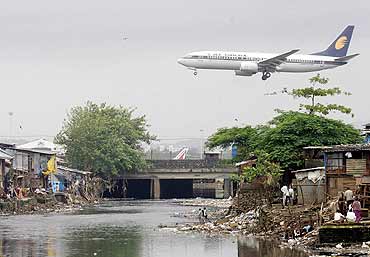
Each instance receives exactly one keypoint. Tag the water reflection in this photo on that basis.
(251, 247)
(122, 229)
(112, 241)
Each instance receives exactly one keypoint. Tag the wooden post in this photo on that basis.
(300, 188)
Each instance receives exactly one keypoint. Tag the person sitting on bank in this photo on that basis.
(351, 216)
(338, 217)
(356, 206)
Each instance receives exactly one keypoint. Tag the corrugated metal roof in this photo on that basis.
(310, 169)
(341, 148)
(41, 145)
(73, 170)
(35, 151)
(348, 148)
(5, 156)
(316, 147)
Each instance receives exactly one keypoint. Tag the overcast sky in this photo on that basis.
(58, 54)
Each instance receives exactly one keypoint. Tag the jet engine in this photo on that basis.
(244, 73)
(249, 67)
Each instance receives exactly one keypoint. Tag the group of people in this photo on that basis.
(288, 195)
(348, 207)
(202, 215)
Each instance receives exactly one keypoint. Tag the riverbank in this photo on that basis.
(42, 204)
(293, 227)
(124, 228)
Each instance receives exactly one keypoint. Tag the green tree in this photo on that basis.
(264, 167)
(315, 91)
(291, 131)
(285, 136)
(243, 138)
(104, 139)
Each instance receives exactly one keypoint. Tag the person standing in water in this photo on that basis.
(205, 215)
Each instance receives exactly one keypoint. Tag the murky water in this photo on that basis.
(128, 229)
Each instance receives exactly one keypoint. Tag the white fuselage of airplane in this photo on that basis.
(248, 62)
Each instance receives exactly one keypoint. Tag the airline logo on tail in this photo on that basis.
(341, 42)
(340, 45)
(182, 154)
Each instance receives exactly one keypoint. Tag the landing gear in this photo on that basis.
(266, 75)
(194, 71)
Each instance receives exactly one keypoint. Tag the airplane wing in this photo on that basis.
(271, 63)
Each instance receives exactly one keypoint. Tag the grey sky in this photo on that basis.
(59, 54)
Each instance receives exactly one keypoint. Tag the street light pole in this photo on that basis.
(10, 123)
(201, 143)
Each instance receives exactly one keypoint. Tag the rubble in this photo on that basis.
(217, 203)
(41, 204)
(293, 226)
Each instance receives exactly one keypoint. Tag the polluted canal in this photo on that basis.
(124, 228)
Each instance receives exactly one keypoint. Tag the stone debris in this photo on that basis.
(217, 203)
(41, 204)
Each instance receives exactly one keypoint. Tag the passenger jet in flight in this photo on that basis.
(248, 64)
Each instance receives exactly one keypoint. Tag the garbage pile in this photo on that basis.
(295, 225)
(229, 224)
(41, 204)
(218, 203)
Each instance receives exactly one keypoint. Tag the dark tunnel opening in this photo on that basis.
(176, 188)
(138, 188)
(135, 188)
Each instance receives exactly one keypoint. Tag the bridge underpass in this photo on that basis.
(179, 179)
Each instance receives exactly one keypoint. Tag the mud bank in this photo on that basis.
(42, 205)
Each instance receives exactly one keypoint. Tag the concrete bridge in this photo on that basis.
(166, 179)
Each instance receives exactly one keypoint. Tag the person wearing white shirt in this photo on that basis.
(285, 192)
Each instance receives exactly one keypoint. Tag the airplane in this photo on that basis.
(248, 64)
(182, 154)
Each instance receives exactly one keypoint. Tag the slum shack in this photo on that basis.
(310, 185)
(347, 166)
(4, 160)
(30, 168)
(68, 179)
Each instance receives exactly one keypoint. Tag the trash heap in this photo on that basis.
(218, 203)
(293, 225)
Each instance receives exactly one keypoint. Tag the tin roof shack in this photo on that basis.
(251, 162)
(4, 157)
(310, 185)
(28, 166)
(65, 179)
(346, 166)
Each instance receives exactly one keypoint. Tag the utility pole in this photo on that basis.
(201, 143)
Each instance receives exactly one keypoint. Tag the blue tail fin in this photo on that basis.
(340, 45)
